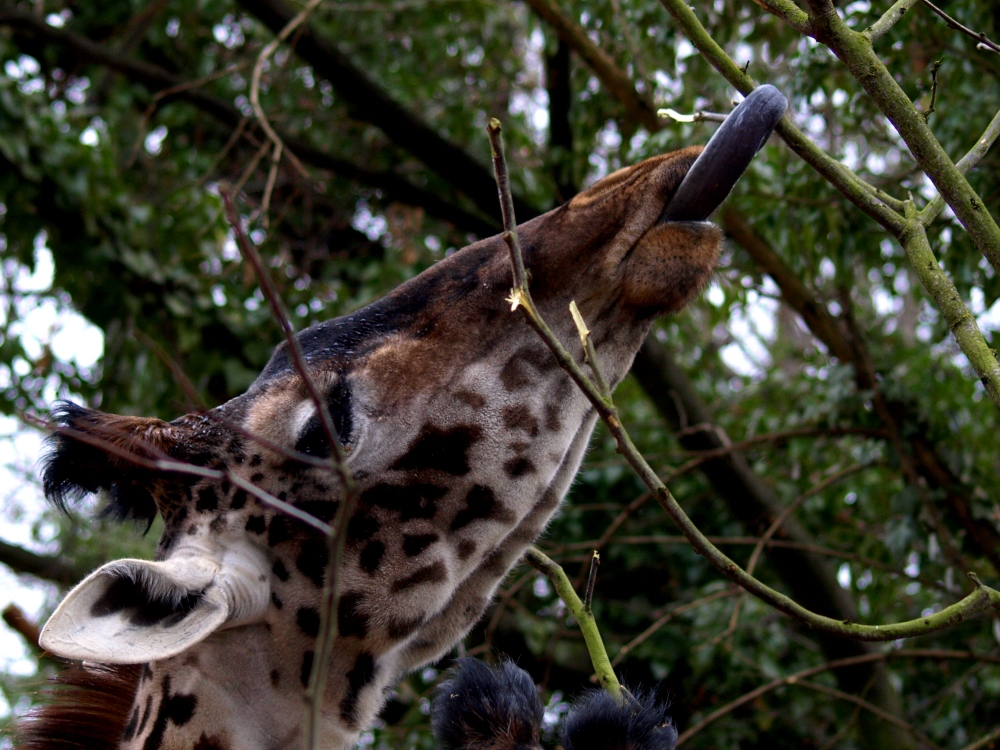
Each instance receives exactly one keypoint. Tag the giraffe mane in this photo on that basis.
(85, 706)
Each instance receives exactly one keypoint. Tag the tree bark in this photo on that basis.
(808, 576)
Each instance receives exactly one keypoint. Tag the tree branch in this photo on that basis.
(792, 679)
(155, 78)
(615, 80)
(855, 51)
(982, 599)
(979, 36)
(788, 12)
(964, 165)
(947, 299)
(889, 19)
(557, 83)
(581, 613)
(18, 621)
(336, 535)
(919, 456)
(373, 104)
(877, 204)
(49, 568)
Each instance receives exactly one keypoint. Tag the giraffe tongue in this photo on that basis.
(726, 156)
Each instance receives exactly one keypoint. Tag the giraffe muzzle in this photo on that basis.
(727, 156)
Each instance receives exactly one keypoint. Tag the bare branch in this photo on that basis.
(588, 598)
(792, 679)
(372, 103)
(984, 41)
(157, 79)
(788, 12)
(46, 567)
(889, 19)
(619, 85)
(964, 165)
(675, 612)
(855, 51)
(982, 599)
(985, 742)
(583, 616)
(337, 533)
(18, 621)
(877, 204)
(948, 301)
(258, 68)
(884, 715)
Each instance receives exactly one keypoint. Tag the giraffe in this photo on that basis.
(462, 435)
(482, 708)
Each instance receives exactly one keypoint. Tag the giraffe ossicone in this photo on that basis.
(463, 434)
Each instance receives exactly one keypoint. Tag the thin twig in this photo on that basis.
(258, 68)
(584, 618)
(861, 702)
(978, 602)
(985, 742)
(506, 204)
(889, 19)
(588, 596)
(177, 88)
(830, 665)
(587, 343)
(693, 117)
(964, 165)
(934, 84)
(336, 535)
(794, 505)
(675, 612)
(752, 540)
(234, 137)
(272, 176)
(977, 35)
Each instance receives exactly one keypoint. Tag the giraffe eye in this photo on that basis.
(311, 438)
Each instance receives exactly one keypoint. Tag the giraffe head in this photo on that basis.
(462, 435)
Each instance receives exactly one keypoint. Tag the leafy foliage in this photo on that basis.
(117, 181)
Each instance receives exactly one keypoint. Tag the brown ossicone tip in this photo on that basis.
(727, 156)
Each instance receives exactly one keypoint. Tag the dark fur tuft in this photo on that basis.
(72, 468)
(481, 707)
(599, 721)
(86, 706)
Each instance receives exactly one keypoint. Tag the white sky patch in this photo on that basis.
(530, 97)
(603, 160)
(42, 320)
(372, 225)
(22, 505)
(154, 140)
(89, 137)
(844, 576)
(752, 327)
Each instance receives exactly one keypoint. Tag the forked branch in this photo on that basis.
(980, 601)
(335, 534)
(581, 613)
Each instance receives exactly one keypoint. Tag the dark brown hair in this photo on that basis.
(84, 707)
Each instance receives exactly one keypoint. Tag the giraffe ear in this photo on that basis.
(136, 611)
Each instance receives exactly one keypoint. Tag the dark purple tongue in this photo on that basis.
(726, 156)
